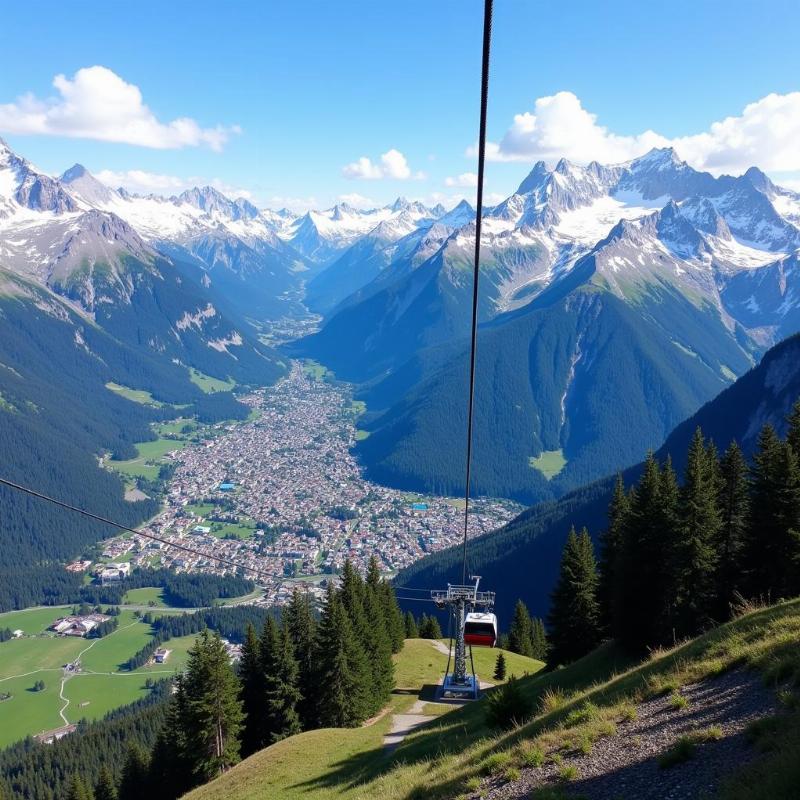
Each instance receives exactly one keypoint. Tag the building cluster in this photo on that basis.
(289, 474)
(78, 625)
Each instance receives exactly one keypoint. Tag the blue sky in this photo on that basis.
(297, 102)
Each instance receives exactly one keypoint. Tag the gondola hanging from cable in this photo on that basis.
(480, 629)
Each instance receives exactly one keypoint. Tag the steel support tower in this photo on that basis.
(460, 600)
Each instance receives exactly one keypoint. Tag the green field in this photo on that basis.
(136, 395)
(549, 463)
(174, 426)
(240, 530)
(144, 596)
(208, 384)
(315, 370)
(146, 464)
(33, 620)
(98, 689)
(423, 664)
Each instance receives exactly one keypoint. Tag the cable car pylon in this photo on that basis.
(471, 627)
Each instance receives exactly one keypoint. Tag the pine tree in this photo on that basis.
(540, 647)
(500, 667)
(429, 627)
(574, 611)
(378, 647)
(645, 582)
(251, 677)
(793, 432)
(342, 668)
(170, 771)
(695, 554)
(734, 504)
(300, 623)
(214, 709)
(763, 547)
(78, 790)
(612, 542)
(134, 783)
(412, 632)
(105, 789)
(394, 616)
(280, 676)
(521, 631)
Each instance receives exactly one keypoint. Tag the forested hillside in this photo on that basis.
(57, 417)
(563, 376)
(523, 557)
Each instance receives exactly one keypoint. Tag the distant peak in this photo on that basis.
(759, 180)
(400, 204)
(74, 172)
(659, 156)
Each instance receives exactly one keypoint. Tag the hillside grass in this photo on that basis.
(580, 703)
(208, 384)
(549, 463)
(136, 395)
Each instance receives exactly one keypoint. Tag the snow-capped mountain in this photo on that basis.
(65, 237)
(632, 291)
(395, 238)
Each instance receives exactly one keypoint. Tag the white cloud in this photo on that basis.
(97, 104)
(141, 182)
(465, 179)
(765, 134)
(392, 164)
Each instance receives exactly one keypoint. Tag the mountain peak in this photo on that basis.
(74, 172)
(534, 178)
(82, 184)
(760, 180)
(658, 158)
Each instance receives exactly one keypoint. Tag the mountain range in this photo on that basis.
(614, 301)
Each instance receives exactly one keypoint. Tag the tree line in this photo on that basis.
(296, 674)
(231, 622)
(677, 557)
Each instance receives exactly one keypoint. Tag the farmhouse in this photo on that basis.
(161, 655)
(78, 625)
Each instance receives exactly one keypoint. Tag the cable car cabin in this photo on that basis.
(480, 629)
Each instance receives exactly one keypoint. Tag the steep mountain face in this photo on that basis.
(608, 294)
(108, 272)
(521, 560)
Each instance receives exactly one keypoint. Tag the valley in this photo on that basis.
(282, 495)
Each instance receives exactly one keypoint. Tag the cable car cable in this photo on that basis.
(487, 38)
(67, 506)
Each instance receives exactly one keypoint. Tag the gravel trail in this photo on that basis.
(625, 765)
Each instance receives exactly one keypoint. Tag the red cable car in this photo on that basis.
(480, 629)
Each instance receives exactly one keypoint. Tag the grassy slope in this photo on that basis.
(446, 758)
(324, 763)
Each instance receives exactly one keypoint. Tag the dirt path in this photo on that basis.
(67, 674)
(626, 764)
